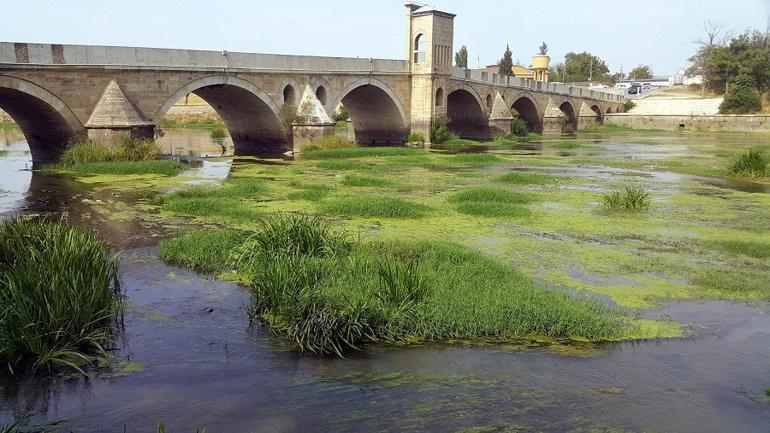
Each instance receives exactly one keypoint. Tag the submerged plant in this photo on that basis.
(751, 163)
(634, 198)
(59, 294)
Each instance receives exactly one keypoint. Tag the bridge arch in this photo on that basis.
(46, 121)
(609, 110)
(528, 110)
(599, 114)
(375, 111)
(466, 112)
(568, 109)
(251, 116)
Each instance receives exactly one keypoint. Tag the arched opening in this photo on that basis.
(289, 95)
(47, 123)
(609, 110)
(440, 97)
(419, 49)
(466, 116)
(490, 100)
(250, 116)
(599, 116)
(526, 109)
(375, 114)
(320, 93)
(571, 124)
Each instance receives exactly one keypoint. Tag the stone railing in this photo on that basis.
(479, 76)
(92, 55)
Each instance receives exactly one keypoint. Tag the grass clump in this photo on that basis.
(367, 181)
(491, 202)
(360, 152)
(202, 251)
(440, 133)
(374, 206)
(312, 193)
(87, 151)
(342, 165)
(328, 294)
(633, 198)
(231, 201)
(329, 142)
(415, 137)
(218, 134)
(526, 178)
(125, 168)
(59, 295)
(755, 249)
(752, 163)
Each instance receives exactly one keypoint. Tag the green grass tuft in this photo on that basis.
(374, 206)
(367, 181)
(312, 193)
(491, 195)
(752, 163)
(124, 168)
(361, 152)
(755, 249)
(343, 165)
(525, 178)
(202, 250)
(492, 210)
(633, 198)
(59, 295)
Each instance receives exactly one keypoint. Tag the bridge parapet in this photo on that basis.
(483, 77)
(127, 57)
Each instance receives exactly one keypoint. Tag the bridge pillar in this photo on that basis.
(115, 118)
(429, 53)
(553, 119)
(312, 121)
(500, 117)
(588, 118)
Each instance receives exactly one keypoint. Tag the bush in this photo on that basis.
(441, 133)
(218, 134)
(342, 114)
(288, 114)
(742, 97)
(519, 127)
(752, 163)
(415, 137)
(127, 150)
(629, 105)
(59, 298)
(633, 198)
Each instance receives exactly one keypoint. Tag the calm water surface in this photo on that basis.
(187, 357)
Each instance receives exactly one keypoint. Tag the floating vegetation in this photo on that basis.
(374, 206)
(59, 299)
(329, 294)
(491, 202)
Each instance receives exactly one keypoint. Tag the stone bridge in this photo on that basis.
(57, 93)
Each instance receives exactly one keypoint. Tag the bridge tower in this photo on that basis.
(429, 52)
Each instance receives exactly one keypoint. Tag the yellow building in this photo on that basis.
(522, 72)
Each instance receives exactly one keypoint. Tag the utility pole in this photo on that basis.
(591, 72)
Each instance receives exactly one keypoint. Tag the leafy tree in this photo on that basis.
(461, 58)
(505, 66)
(714, 36)
(543, 49)
(641, 72)
(578, 67)
(748, 54)
(742, 97)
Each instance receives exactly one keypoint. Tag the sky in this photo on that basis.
(659, 33)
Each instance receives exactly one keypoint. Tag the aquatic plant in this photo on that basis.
(328, 142)
(519, 127)
(751, 163)
(374, 206)
(361, 152)
(204, 251)
(440, 133)
(527, 178)
(124, 168)
(415, 137)
(491, 202)
(312, 193)
(756, 249)
(367, 181)
(59, 295)
(87, 151)
(328, 295)
(634, 198)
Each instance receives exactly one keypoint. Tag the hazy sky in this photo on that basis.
(655, 32)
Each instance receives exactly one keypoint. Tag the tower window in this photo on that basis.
(419, 49)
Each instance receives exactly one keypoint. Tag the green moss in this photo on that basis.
(342, 165)
(202, 250)
(526, 178)
(755, 249)
(367, 181)
(491, 195)
(361, 152)
(312, 193)
(492, 210)
(122, 168)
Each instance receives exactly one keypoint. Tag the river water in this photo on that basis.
(187, 357)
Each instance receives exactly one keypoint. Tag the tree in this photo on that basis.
(580, 67)
(748, 53)
(714, 36)
(461, 58)
(543, 49)
(742, 97)
(505, 66)
(641, 72)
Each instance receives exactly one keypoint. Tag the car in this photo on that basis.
(635, 89)
(646, 86)
(622, 86)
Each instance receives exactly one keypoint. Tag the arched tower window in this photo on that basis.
(440, 97)
(289, 95)
(320, 93)
(490, 101)
(419, 49)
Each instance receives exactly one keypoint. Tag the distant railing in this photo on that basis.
(481, 76)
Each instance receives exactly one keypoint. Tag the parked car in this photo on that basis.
(635, 89)
(646, 86)
(622, 86)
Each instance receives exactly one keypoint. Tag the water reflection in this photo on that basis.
(195, 143)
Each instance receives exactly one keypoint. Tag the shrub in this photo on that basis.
(633, 198)
(629, 105)
(218, 134)
(751, 163)
(441, 133)
(742, 97)
(341, 115)
(415, 137)
(288, 114)
(59, 298)
(519, 127)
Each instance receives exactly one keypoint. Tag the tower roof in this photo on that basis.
(114, 110)
(418, 10)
